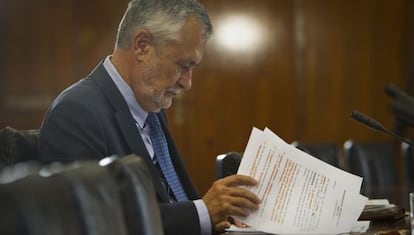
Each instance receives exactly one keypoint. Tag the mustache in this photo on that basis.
(174, 90)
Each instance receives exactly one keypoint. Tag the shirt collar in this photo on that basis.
(139, 114)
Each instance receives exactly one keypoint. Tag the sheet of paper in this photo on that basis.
(359, 227)
(244, 230)
(299, 193)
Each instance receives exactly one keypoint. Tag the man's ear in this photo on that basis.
(143, 41)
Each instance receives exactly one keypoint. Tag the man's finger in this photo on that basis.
(239, 180)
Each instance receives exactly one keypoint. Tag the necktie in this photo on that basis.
(162, 155)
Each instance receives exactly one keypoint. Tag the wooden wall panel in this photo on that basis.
(318, 61)
(353, 49)
(48, 45)
(26, 39)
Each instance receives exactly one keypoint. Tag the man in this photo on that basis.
(158, 44)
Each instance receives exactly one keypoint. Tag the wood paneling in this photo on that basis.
(320, 60)
(353, 49)
(46, 46)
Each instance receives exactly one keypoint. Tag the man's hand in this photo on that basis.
(225, 199)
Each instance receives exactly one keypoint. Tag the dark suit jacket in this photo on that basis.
(91, 120)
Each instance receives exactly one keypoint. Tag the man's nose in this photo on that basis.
(185, 80)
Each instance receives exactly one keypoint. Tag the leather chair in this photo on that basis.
(73, 203)
(36, 206)
(373, 161)
(97, 195)
(227, 164)
(327, 152)
(138, 196)
(18, 146)
(19, 170)
(408, 160)
(83, 197)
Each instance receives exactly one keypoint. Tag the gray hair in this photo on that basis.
(163, 18)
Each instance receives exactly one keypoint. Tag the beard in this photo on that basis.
(154, 95)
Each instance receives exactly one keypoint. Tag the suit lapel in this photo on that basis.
(127, 124)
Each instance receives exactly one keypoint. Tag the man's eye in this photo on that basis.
(184, 66)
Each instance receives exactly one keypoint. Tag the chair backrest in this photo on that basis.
(227, 164)
(327, 152)
(135, 192)
(138, 196)
(97, 195)
(408, 161)
(37, 205)
(19, 170)
(89, 196)
(374, 161)
(18, 146)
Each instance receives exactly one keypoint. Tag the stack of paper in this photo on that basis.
(299, 193)
(381, 210)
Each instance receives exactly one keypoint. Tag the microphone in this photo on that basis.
(403, 106)
(398, 94)
(403, 113)
(375, 125)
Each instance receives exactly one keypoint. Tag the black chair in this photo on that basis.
(98, 197)
(327, 152)
(408, 160)
(36, 206)
(81, 197)
(227, 164)
(138, 197)
(18, 146)
(373, 161)
(85, 202)
(19, 170)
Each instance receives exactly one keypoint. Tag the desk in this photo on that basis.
(400, 225)
(397, 194)
(374, 229)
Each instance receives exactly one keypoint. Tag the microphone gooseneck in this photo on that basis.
(375, 125)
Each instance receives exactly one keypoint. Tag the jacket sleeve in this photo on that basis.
(180, 218)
